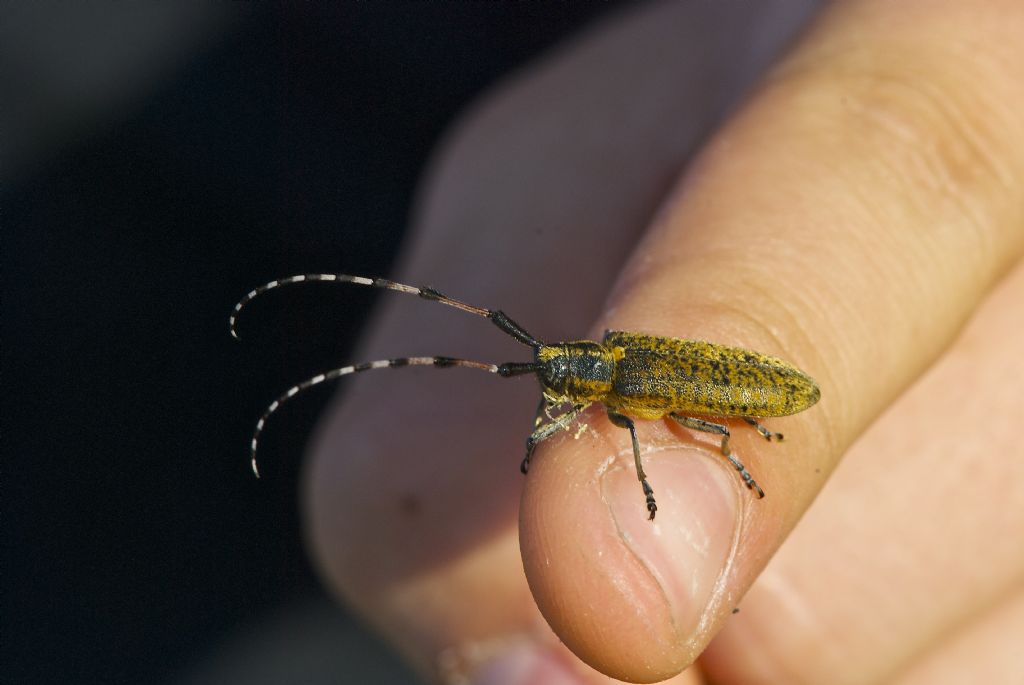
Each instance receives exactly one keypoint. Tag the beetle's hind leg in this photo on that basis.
(626, 422)
(765, 433)
(707, 427)
(719, 429)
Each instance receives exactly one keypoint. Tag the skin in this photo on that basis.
(860, 214)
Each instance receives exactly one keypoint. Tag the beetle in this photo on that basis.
(633, 375)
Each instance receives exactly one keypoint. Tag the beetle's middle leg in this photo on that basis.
(626, 422)
(719, 429)
(543, 432)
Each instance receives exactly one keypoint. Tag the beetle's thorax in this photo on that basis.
(578, 372)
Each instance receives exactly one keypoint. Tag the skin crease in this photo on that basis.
(852, 215)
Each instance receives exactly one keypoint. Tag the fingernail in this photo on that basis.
(525, 665)
(688, 545)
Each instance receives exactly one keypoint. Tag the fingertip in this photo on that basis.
(635, 599)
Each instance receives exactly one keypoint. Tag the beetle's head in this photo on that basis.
(576, 372)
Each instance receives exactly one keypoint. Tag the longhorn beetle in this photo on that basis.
(633, 375)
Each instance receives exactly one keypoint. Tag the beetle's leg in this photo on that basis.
(626, 422)
(707, 427)
(765, 433)
(541, 411)
(544, 432)
(719, 429)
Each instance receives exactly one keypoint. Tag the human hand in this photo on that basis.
(850, 217)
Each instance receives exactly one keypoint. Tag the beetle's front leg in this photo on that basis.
(543, 432)
(542, 409)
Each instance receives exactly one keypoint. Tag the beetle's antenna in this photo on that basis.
(498, 318)
(440, 362)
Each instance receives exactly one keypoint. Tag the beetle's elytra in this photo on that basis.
(631, 374)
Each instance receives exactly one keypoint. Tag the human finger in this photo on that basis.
(914, 537)
(848, 219)
(986, 651)
(414, 486)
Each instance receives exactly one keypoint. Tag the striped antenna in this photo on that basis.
(497, 317)
(440, 362)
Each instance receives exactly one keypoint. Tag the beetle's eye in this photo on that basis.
(556, 372)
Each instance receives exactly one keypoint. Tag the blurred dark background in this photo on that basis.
(157, 162)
